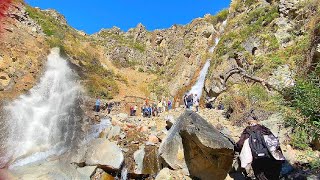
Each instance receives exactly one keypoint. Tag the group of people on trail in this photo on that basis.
(108, 106)
(259, 148)
(152, 109)
(191, 100)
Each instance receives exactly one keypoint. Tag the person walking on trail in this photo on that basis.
(185, 100)
(190, 101)
(220, 106)
(164, 105)
(160, 107)
(109, 107)
(97, 105)
(260, 148)
(196, 102)
(135, 108)
(149, 111)
(169, 104)
(131, 110)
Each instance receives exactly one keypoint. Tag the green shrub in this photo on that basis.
(305, 97)
(219, 17)
(300, 139)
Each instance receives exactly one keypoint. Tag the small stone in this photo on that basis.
(153, 139)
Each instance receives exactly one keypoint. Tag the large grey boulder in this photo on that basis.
(104, 153)
(207, 153)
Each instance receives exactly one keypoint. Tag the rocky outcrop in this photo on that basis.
(207, 153)
(23, 51)
(104, 153)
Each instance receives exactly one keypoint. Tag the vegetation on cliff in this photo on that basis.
(275, 43)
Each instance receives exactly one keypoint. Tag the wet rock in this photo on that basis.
(208, 153)
(47, 170)
(102, 152)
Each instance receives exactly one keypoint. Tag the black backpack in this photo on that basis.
(258, 145)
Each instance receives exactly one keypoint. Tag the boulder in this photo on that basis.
(87, 171)
(153, 139)
(138, 159)
(104, 153)
(207, 153)
(167, 174)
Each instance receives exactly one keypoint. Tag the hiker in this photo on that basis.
(185, 100)
(154, 110)
(164, 105)
(160, 107)
(258, 145)
(177, 104)
(131, 110)
(220, 106)
(169, 105)
(190, 101)
(135, 108)
(97, 105)
(149, 111)
(109, 107)
(196, 102)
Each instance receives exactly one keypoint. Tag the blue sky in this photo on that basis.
(92, 15)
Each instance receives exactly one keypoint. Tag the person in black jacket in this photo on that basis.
(264, 168)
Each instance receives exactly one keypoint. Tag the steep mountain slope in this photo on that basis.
(267, 62)
(173, 56)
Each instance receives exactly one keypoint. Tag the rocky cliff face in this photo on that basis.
(174, 55)
(22, 51)
(265, 47)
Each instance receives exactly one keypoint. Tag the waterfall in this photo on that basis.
(45, 121)
(217, 39)
(197, 88)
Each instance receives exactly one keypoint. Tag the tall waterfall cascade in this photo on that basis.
(44, 121)
(198, 86)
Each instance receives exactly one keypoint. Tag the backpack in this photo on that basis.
(189, 98)
(258, 145)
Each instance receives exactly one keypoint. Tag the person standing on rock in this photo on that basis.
(196, 102)
(258, 145)
(97, 105)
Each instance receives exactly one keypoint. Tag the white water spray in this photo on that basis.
(45, 121)
(197, 88)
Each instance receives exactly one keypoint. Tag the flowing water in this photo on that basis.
(46, 120)
(197, 88)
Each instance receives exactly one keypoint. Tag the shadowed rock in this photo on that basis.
(207, 153)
